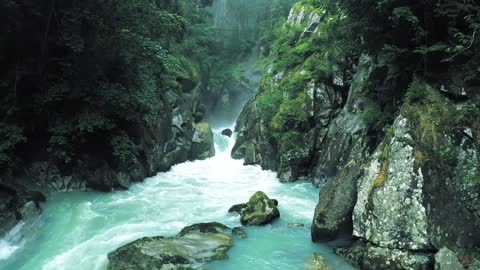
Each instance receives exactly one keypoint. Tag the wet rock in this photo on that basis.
(340, 163)
(239, 232)
(445, 259)
(227, 132)
(238, 208)
(198, 117)
(275, 201)
(317, 262)
(389, 210)
(260, 210)
(198, 243)
(210, 227)
(296, 225)
(366, 256)
(202, 142)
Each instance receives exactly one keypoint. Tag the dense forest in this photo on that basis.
(376, 102)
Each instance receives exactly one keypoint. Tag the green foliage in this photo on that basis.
(268, 103)
(123, 147)
(293, 111)
(432, 116)
(291, 143)
(84, 72)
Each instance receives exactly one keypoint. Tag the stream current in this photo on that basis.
(78, 229)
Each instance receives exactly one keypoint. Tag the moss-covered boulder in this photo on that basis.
(260, 210)
(198, 243)
(202, 143)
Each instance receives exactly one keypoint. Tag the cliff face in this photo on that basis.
(402, 178)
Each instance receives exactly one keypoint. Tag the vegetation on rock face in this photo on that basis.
(84, 83)
(319, 47)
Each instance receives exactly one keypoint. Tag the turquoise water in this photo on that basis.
(77, 230)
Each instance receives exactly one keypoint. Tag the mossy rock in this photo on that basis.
(260, 210)
(198, 243)
(203, 146)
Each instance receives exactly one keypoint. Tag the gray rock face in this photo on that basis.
(371, 257)
(252, 139)
(389, 211)
(445, 259)
(202, 143)
(339, 165)
(195, 244)
(259, 210)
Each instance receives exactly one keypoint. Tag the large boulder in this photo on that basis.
(195, 244)
(203, 146)
(259, 210)
(227, 132)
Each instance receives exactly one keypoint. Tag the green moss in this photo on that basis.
(291, 144)
(430, 114)
(292, 111)
(268, 103)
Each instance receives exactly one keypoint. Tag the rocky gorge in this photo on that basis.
(364, 129)
(403, 187)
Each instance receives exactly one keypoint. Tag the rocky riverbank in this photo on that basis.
(401, 178)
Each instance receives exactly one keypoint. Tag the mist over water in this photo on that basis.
(77, 230)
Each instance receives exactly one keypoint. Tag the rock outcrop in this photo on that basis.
(202, 142)
(175, 138)
(194, 245)
(259, 210)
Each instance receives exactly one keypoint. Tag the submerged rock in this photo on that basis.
(317, 262)
(238, 208)
(259, 210)
(202, 143)
(227, 132)
(239, 232)
(195, 244)
(445, 259)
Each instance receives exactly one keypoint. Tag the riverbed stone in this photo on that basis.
(239, 232)
(195, 244)
(317, 262)
(260, 210)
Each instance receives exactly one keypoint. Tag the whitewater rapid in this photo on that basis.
(77, 230)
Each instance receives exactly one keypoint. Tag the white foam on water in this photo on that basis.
(80, 229)
(11, 242)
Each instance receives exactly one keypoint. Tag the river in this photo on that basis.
(77, 230)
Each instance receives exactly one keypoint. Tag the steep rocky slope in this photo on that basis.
(401, 178)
